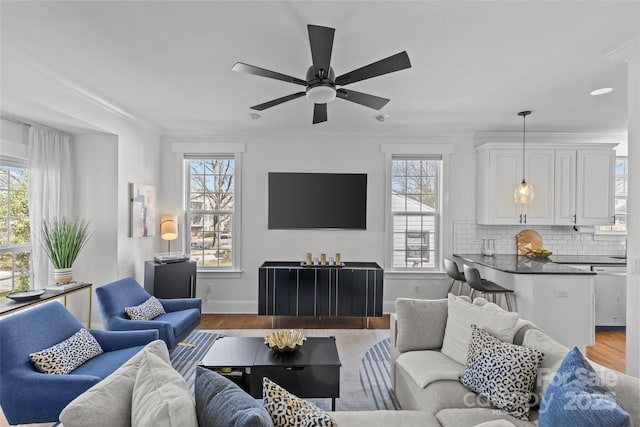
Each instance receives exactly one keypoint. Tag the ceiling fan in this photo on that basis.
(321, 82)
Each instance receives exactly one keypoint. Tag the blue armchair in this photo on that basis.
(29, 396)
(183, 314)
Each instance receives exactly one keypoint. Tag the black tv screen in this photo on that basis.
(317, 200)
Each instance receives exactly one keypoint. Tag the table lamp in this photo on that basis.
(169, 228)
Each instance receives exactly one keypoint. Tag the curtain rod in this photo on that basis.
(11, 119)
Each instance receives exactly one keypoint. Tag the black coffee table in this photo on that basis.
(312, 371)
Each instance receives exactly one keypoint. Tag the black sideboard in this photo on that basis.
(292, 289)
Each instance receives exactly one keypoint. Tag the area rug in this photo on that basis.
(364, 354)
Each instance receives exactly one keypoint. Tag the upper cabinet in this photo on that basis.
(574, 185)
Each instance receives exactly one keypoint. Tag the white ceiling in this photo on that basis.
(475, 63)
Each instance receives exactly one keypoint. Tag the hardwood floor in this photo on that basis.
(608, 351)
(253, 321)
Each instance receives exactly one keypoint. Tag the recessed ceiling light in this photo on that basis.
(382, 117)
(254, 116)
(601, 91)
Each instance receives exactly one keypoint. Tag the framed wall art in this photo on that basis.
(142, 210)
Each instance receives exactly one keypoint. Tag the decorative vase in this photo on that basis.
(62, 275)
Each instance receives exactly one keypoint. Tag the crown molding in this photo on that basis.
(84, 93)
(628, 52)
(550, 138)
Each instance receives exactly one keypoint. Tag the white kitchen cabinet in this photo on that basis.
(611, 295)
(498, 173)
(574, 185)
(595, 187)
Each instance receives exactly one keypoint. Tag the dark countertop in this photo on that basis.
(589, 259)
(522, 265)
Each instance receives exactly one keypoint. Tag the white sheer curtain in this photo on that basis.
(49, 191)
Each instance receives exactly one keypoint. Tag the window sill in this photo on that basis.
(221, 274)
(410, 275)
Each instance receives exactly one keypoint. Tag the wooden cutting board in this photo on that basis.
(528, 241)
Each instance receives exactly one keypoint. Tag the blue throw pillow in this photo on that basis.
(220, 402)
(577, 397)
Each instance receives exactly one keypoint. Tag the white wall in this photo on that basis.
(37, 95)
(95, 189)
(314, 153)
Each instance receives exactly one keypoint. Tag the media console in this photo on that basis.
(292, 289)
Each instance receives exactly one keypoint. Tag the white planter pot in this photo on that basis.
(62, 275)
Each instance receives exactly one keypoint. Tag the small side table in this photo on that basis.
(170, 280)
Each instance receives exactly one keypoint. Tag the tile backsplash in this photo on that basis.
(561, 240)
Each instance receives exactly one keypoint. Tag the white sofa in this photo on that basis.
(425, 379)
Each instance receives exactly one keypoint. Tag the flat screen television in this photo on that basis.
(317, 201)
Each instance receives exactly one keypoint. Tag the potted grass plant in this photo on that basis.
(62, 240)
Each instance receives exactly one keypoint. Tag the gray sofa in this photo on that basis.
(148, 391)
(427, 380)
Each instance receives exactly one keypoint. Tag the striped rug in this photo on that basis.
(364, 354)
(375, 377)
(185, 358)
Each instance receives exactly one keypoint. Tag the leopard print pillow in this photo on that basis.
(287, 409)
(502, 372)
(66, 356)
(150, 309)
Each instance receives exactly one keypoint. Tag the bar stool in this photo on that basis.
(456, 276)
(477, 283)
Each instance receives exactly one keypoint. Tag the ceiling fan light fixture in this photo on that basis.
(321, 94)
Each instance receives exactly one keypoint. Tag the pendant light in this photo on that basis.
(524, 192)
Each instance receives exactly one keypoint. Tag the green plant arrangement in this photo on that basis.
(62, 240)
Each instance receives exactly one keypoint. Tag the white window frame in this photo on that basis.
(13, 248)
(196, 150)
(425, 151)
(602, 230)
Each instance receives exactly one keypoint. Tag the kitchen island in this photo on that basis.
(558, 298)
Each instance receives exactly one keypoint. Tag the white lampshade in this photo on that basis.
(524, 193)
(169, 227)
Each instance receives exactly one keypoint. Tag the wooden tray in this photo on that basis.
(528, 241)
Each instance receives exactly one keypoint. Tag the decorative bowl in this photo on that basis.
(285, 340)
(27, 295)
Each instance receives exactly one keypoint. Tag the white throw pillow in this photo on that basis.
(108, 403)
(161, 397)
(457, 333)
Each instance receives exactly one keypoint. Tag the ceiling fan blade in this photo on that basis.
(396, 62)
(319, 113)
(365, 99)
(257, 71)
(321, 41)
(278, 101)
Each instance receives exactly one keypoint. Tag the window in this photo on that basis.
(621, 188)
(415, 211)
(15, 234)
(211, 210)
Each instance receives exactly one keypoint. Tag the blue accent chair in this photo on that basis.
(183, 314)
(30, 396)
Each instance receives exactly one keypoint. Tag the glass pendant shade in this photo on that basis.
(524, 193)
